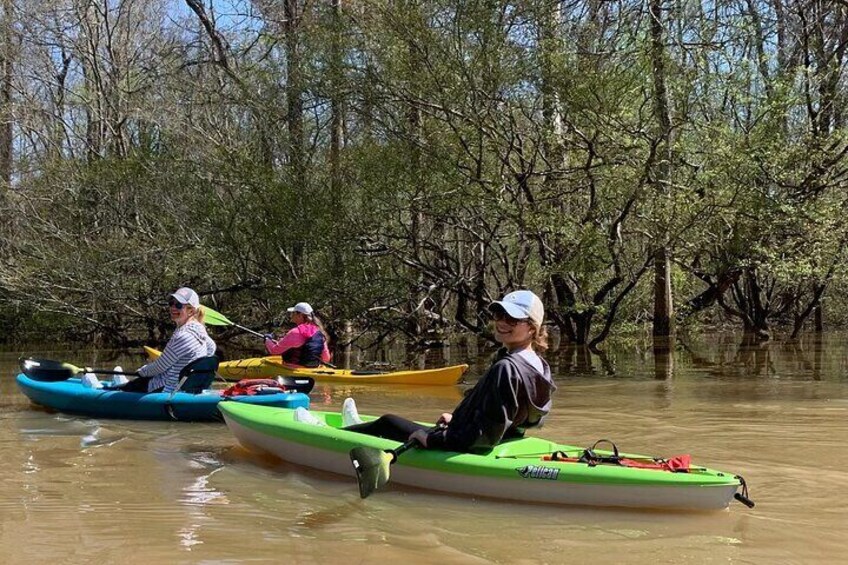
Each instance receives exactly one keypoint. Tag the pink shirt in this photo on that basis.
(295, 338)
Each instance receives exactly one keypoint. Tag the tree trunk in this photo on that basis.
(294, 91)
(583, 359)
(336, 104)
(337, 98)
(416, 322)
(6, 114)
(663, 314)
(294, 112)
(91, 73)
(549, 31)
(582, 326)
(663, 307)
(563, 301)
(663, 358)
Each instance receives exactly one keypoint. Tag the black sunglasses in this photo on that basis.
(175, 304)
(502, 316)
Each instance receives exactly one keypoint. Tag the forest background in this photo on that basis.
(401, 163)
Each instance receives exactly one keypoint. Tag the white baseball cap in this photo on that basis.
(521, 305)
(302, 307)
(185, 295)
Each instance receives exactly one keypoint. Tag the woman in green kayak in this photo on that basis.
(513, 394)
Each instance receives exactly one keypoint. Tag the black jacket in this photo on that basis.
(511, 396)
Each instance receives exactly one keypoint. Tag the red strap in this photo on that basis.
(677, 464)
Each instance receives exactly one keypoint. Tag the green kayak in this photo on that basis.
(520, 469)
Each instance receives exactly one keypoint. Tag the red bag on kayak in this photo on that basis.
(678, 464)
(252, 387)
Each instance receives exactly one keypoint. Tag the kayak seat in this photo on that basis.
(198, 375)
(522, 447)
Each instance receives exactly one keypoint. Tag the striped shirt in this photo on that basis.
(189, 342)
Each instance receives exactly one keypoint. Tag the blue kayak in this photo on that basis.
(72, 397)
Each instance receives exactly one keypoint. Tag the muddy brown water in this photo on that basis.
(83, 490)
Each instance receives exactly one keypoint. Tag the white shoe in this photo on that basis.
(90, 381)
(302, 415)
(350, 417)
(119, 380)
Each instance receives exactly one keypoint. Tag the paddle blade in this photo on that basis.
(297, 384)
(48, 370)
(372, 468)
(213, 318)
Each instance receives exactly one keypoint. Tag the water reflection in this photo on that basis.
(92, 440)
(791, 359)
(327, 517)
(721, 354)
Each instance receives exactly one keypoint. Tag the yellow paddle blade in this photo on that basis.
(372, 468)
(74, 368)
(213, 318)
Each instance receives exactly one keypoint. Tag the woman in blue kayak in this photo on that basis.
(306, 343)
(189, 342)
(513, 394)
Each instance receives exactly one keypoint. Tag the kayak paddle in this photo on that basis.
(297, 384)
(49, 370)
(372, 465)
(214, 318)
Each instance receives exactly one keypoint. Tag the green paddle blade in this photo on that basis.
(213, 318)
(372, 468)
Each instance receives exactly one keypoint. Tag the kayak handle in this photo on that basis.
(743, 496)
(744, 499)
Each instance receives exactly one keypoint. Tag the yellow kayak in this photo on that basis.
(268, 367)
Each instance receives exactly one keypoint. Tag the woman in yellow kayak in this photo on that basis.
(306, 343)
(189, 342)
(513, 394)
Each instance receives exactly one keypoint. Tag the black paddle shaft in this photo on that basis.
(405, 447)
(411, 443)
(109, 372)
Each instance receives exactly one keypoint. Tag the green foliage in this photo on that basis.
(451, 151)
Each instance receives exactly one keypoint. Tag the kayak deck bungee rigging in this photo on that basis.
(523, 470)
(72, 397)
(272, 366)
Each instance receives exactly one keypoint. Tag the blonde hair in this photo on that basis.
(198, 313)
(317, 321)
(540, 338)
